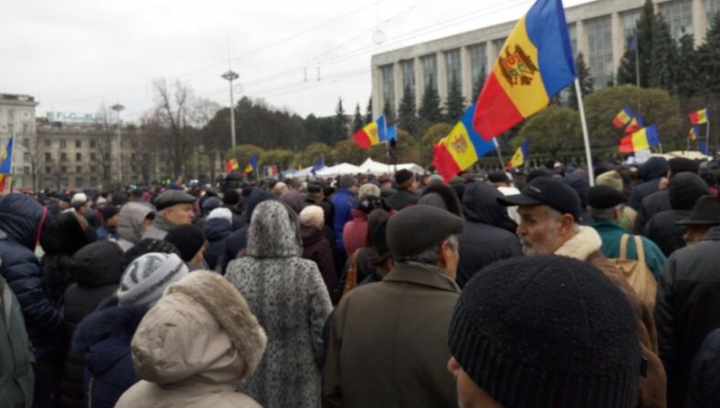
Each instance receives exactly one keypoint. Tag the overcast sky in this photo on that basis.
(75, 55)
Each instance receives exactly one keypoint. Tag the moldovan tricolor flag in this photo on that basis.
(623, 117)
(6, 158)
(641, 140)
(461, 148)
(3, 182)
(252, 165)
(694, 133)
(231, 165)
(698, 117)
(372, 134)
(535, 63)
(634, 125)
(519, 157)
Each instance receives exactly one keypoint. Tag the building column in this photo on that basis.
(419, 82)
(399, 88)
(582, 40)
(490, 57)
(466, 74)
(699, 21)
(618, 41)
(377, 96)
(442, 76)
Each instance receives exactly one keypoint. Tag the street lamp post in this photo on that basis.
(117, 108)
(231, 76)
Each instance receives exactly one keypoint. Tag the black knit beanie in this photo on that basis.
(147, 246)
(188, 239)
(547, 331)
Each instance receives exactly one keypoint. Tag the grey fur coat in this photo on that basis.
(289, 298)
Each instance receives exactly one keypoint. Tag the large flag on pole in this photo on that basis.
(231, 165)
(699, 117)
(252, 165)
(461, 148)
(643, 139)
(634, 125)
(6, 158)
(372, 134)
(623, 117)
(535, 63)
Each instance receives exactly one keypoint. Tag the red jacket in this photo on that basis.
(355, 232)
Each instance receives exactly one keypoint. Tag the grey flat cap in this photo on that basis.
(416, 229)
(172, 197)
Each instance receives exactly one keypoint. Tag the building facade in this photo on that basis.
(17, 117)
(598, 29)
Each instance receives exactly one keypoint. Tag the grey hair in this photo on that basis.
(431, 255)
(604, 214)
(553, 215)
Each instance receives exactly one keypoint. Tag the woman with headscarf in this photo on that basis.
(289, 298)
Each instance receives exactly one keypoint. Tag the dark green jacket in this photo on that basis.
(16, 357)
(611, 233)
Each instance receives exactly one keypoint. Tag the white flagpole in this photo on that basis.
(12, 162)
(586, 137)
(497, 149)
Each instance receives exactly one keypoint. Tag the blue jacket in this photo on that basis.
(104, 233)
(216, 232)
(611, 233)
(343, 202)
(21, 219)
(104, 340)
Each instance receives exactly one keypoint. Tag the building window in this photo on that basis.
(132, 157)
(713, 6)
(629, 20)
(78, 144)
(47, 142)
(26, 169)
(93, 181)
(78, 156)
(63, 169)
(429, 64)
(48, 156)
(498, 45)
(79, 182)
(572, 35)
(93, 169)
(26, 142)
(26, 156)
(408, 76)
(388, 86)
(26, 127)
(107, 156)
(600, 56)
(48, 169)
(478, 62)
(78, 169)
(63, 143)
(92, 144)
(11, 128)
(92, 156)
(11, 115)
(453, 68)
(63, 157)
(678, 14)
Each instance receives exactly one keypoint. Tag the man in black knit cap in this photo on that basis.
(544, 332)
(407, 187)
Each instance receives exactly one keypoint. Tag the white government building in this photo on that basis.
(598, 29)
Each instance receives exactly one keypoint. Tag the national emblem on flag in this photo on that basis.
(623, 117)
(699, 117)
(694, 133)
(519, 157)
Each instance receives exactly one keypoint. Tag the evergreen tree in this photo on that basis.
(455, 102)
(358, 120)
(389, 113)
(688, 73)
(407, 114)
(709, 57)
(429, 111)
(644, 31)
(664, 56)
(479, 82)
(340, 131)
(368, 111)
(586, 83)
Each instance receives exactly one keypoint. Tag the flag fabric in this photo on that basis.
(3, 182)
(699, 117)
(704, 149)
(623, 117)
(270, 171)
(231, 165)
(392, 133)
(252, 165)
(461, 148)
(694, 133)
(535, 63)
(644, 138)
(635, 124)
(6, 158)
(519, 157)
(319, 164)
(372, 134)
(632, 43)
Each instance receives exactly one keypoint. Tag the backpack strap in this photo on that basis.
(623, 246)
(640, 249)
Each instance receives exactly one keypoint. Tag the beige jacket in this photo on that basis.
(195, 346)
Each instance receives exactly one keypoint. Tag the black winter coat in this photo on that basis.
(686, 310)
(21, 219)
(98, 271)
(216, 232)
(317, 249)
(489, 233)
(650, 172)
(402, 199)
(652, 205)
(705, 379)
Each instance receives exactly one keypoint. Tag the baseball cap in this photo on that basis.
(546, 191)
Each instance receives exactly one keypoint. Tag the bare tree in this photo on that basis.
(103, 135)
(36, 150)
(173, 104)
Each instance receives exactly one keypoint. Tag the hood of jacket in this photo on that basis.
(63, 235)
(583, 244)
(655, 167)
(685, 190)
(217, 229)
(448, 195)
(104, 336)
(21, 219)
(480, 205)
(274, 232)
(98, 264)
(132, 216)
(202, 330)
(257, 197)
(293, 199)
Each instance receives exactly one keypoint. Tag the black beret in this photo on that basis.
(681, 165)
(603, 197)
(172, 197)
(408, 232)
(498, 177)
(403, 175)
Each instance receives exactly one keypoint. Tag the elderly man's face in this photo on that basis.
(179, 214)
(537, 230)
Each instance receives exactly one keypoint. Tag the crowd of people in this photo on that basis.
(489, 290)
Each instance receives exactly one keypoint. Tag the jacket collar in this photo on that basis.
(422, 274)
(162, 223)
(712, 235)
(606, 225)
(582, 245)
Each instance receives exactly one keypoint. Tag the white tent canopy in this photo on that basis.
(338, 170)
(371, 166)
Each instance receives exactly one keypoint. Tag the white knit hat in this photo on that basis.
(312, 215)
(101, 200)
(79, 198)
(221, 213)
(145, 279)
